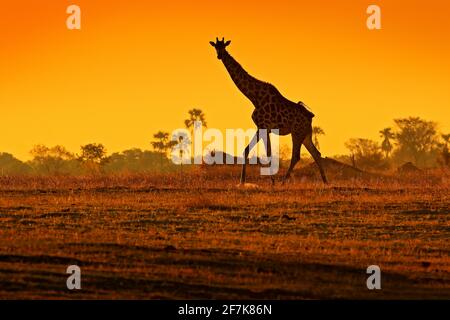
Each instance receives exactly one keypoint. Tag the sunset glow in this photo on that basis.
(136, 67)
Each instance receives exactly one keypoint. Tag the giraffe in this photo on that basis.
(272, 111)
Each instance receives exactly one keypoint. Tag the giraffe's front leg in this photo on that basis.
(250, 146)
(268, 146)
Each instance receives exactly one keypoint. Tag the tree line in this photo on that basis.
(93, 159)
(411, 139)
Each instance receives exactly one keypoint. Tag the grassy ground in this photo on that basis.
(200, 236)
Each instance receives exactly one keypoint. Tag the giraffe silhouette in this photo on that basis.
(272, 111)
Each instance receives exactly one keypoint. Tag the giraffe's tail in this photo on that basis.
(306, 109)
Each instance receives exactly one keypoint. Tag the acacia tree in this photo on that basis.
(50, 159)
(316, 132)
(416, 138)
(93, 156)
(162, 144)
(11, 165)
(387, 135)
(365, 153)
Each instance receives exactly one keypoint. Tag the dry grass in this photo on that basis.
(200, 236)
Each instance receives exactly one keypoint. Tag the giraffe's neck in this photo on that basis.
(247, 84)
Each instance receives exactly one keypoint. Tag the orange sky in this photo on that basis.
(137, 66)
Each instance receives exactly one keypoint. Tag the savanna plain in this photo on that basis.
(197, 235)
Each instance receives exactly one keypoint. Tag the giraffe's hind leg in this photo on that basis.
(315, 154)
(296, 146)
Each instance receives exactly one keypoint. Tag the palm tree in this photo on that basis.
(195, 115)
(386, 145)
(317, 131)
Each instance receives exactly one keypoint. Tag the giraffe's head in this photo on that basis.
(220, 46)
